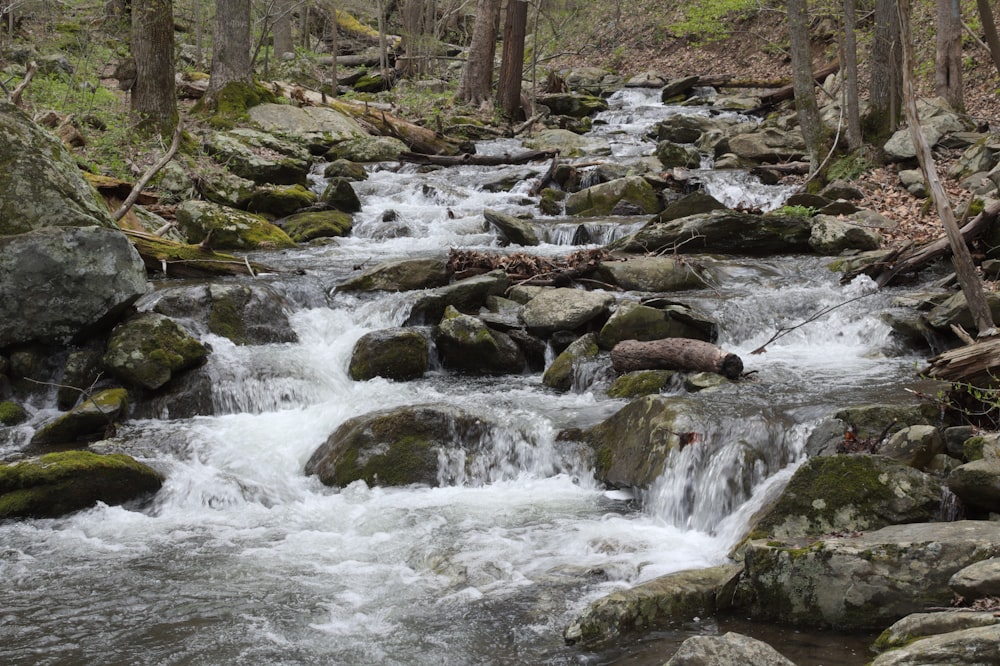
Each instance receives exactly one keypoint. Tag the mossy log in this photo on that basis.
(179, 260)
(683, 354)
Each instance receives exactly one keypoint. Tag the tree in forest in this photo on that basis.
(512, 60)
(419, 18)
(850, 60)
(885, 93)
(990, 31)
(231, 42)
(948, 55)
(810, 122)
(281, 27)
(476, 86)
(154, 104)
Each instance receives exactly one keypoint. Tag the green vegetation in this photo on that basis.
(795, 211)
(703, 19)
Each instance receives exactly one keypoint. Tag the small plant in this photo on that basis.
(795, 211)
(702, 22)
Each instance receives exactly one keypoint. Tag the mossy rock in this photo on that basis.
(87, 421)
(559, 375)
(367, 149)
(640, 383)
(60, 483)
(230, 104)
(400, 354)
(280, 201)
(400, 275)
(310, 225)
(603, 199)
(466, 343)
(149, 349)
(230, 229)
(12, 414)
(340, 194)
(396, 447)
(341, 168)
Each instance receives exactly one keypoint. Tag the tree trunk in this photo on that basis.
(851, 76)
(383, 42)
(281, 27)
(334, 55)
(885, 94)
(154, 104)
(948, 60)
(512, 61)
(681, 354)
(476, 86)
(231, 42)
(972, 285)
(990, 31)
(802, 81)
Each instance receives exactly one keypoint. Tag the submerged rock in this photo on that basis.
(88, 420)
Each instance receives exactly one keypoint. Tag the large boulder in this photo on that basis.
(230, 229)
(977, 484)
(466, 295)
(399, 275)
(575, 105)
(724, 232)
(729, 649)
(367, 149)
(59, 483)
(40, 183)
(564, 309)
(567, 143)
(58, 284)
(768, 145)
(397, 447)
(977, 646)
(831, 236)
(937, 119)
(653, 274)
(632, 321)
(88, 420)
(635, 192)
(512, 229)
(920, 625)
(560, 374)
(673, 155)
(149, 349)
(317, 125)
(657, 604)
(310, 225)
(978, 580)
(400, 354)
(280, 200)
(259, 156)
(251, 313)
(864, 580)
(845, 493)
(466, 343)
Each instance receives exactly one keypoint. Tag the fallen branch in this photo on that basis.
(544, 181)
(175, 144)
(682, 354)
(15, 95)
(781, 332)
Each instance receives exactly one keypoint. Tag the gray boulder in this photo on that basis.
(657, 274)
(730, 649)
(978, 580)
(314, 124)
(978, 646)
(672, 155)
(230, 229)
(467, 295)
(400, 354)
(88, 420)
(149, 349)
(691, 204)
(724, 232)
(401, 275)
(830, 236)
(58, 284)
(559, 375)
(564, 309)
(919, 625)
(915, 446)
(955, 311)
(936, 120)
(678, 89)
(768, 145)
(605, 198)
(340, 194)
(977, 484)
(573, 104)
(512, 229)
(466, 343)
(280, 200)
(632, 321)
(366, 149)
(568, 143)
(259, 156)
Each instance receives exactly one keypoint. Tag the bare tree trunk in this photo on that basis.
(231, 42)
(199, 29)
(802, 80)
(972, 285)
(990, 31)
(948, 59)
(886, 91)
(281, 27)
(154, 104)
(683, 354)
(383, 42)
(512, 61)
(334, 48)
(851, 76)
(476, 86)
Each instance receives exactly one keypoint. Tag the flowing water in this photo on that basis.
(241, 558)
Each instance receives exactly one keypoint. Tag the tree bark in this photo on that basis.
(802, 80)
(972, 285)
(153, 104)
(851, 77)
(681, 354)
(885, 93)
(476, 86)
(232, 42)
(784, 91)
(990, 31)
(281, 27)
(948, 60)
(512, 61)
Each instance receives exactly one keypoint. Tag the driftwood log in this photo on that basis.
(477, 160)
(681, 354)
(178, 260)
(767, 100)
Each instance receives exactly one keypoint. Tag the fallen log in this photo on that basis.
(767, 100)
(977, 364)
(477, 160)
(681, 354)
(179, 260)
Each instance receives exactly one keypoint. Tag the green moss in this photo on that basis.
(972, 448)
(225, 319)
(304, 227)
(12, 413)
(643, 382)
(230, 104)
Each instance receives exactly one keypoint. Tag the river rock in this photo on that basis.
(977, 484)
(936, 120)
(919, 625)
(560, 374)
(251, 313)
(225, 188)
(467, 295)
(592, 80)
(367, 149)
(569, 144)
(340, 194)
(672, 155)
(640, 383)
(915, 446)
(656, 604)
(89, 420)
(280, 200)
(604, 198)
(12, 414)
(259, 156)
(846, 493)
(632, 321)
(400, 354)
(81, 280)
(657, 274)
(401, 275)
(978, 646)
(466, 343)
(56, 484)
(310, 225)
(512, 229)
(341, 168)
(978, 580)
(677, 89)
(318, 125)
(692, 204)
(955, 311)
(768, 145)
(149, 349)
(864, 580)
(230, 229)
(564, 309)
(574, 105)
(730, 649)
(830, 235)
(724, 232)
(396, 447)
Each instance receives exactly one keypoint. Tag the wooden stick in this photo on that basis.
(15, 95)
(130, 200)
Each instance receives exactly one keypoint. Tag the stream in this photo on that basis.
(241, 558)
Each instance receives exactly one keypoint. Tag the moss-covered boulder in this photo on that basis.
(366, 149)
(640, 383)
(657, 604)
(230, 229)
(977, 484)
(149, 349)
(400, 354)
(225, 188)
(724, 232)
(862, 581)
(512, 230)
(317, 125)
(400, 275)
(280, 200)
(82, 369)
(606, 198)
(396, 447)
(632, 321)
(88, 420)
(573, 104)
(12, 414)
(653, 274)
(979, 646)
(569, 144)
(672, 155)
(467, 295)
(310, 225)
(914, 445)
(341, 168)
(565, 309)
(340, 194)
(59, 483)
(920, 625)
(560, 374)
(466, 343)
(695, 203)
(260, 157)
